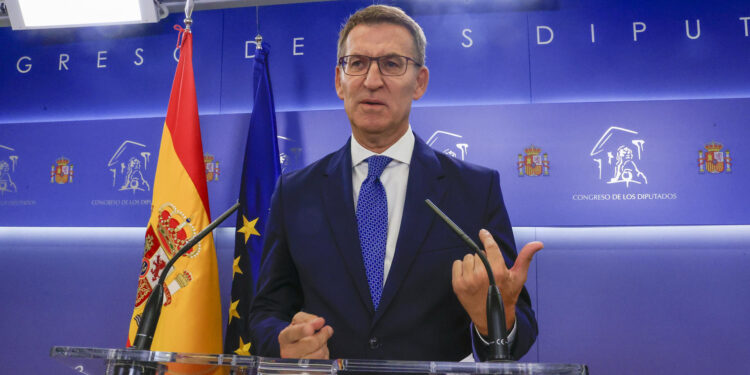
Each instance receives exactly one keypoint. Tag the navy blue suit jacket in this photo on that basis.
(312, 261)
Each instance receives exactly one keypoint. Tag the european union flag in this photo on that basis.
(259, 173)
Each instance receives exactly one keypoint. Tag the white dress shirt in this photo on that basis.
(394, 179)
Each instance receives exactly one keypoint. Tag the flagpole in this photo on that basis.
(258, 37)
(188, 14)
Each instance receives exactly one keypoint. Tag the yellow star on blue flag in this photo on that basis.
(233, 311)
(236, 266)
(248, 228)
(243, 349)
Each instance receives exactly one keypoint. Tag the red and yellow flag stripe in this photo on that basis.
(191, 317)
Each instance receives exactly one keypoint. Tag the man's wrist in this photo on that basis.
(481, 330)
(486, 340)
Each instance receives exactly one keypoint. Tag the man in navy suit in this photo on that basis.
(355, 265)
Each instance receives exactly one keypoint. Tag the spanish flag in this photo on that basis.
(191, 316)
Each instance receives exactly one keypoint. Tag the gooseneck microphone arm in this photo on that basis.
(498, 332)
(152, 310)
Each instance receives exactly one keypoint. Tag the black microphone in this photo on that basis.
(498, 332)
(152, 310)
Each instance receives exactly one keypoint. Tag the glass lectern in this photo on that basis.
(101, 361)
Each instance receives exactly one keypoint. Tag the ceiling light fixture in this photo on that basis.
(45, 14)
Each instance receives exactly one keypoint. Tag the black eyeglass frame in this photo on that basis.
(342, 63)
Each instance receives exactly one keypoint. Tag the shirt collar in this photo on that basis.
(400, 151)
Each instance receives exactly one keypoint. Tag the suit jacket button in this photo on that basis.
(374, 343)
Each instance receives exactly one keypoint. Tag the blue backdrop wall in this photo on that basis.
(642, 272)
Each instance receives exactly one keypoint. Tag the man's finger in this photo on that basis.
(303, 317)
(479, 265)
(295, 332)
(467, 265)
(322, 336)
(523, 261)
(494, 256)
(456, 271)
(321, 353)
(315, 342)
(285, 336)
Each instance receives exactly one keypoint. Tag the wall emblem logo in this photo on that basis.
(173, 230)
(128, 165)
(450, 144)
(532, 163)
(8, 163)
(212, 167)
(714, 160)
(62, 171)
(617, 155)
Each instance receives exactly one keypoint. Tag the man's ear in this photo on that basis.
(423, 78)
(339, 90)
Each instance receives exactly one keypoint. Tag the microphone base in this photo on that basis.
(498, 333)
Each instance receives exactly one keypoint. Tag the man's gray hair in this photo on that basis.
(375, 14)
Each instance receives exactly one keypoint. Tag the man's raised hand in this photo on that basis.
(470, 282)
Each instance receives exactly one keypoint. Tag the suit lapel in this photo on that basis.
(339, 205)
(425, 181)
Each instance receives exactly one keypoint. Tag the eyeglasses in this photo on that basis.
(389, 65)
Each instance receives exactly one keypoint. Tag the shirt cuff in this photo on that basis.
(511, 335)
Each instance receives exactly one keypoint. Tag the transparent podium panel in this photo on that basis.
(100, 361)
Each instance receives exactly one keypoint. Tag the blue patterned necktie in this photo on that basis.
(372, 222)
